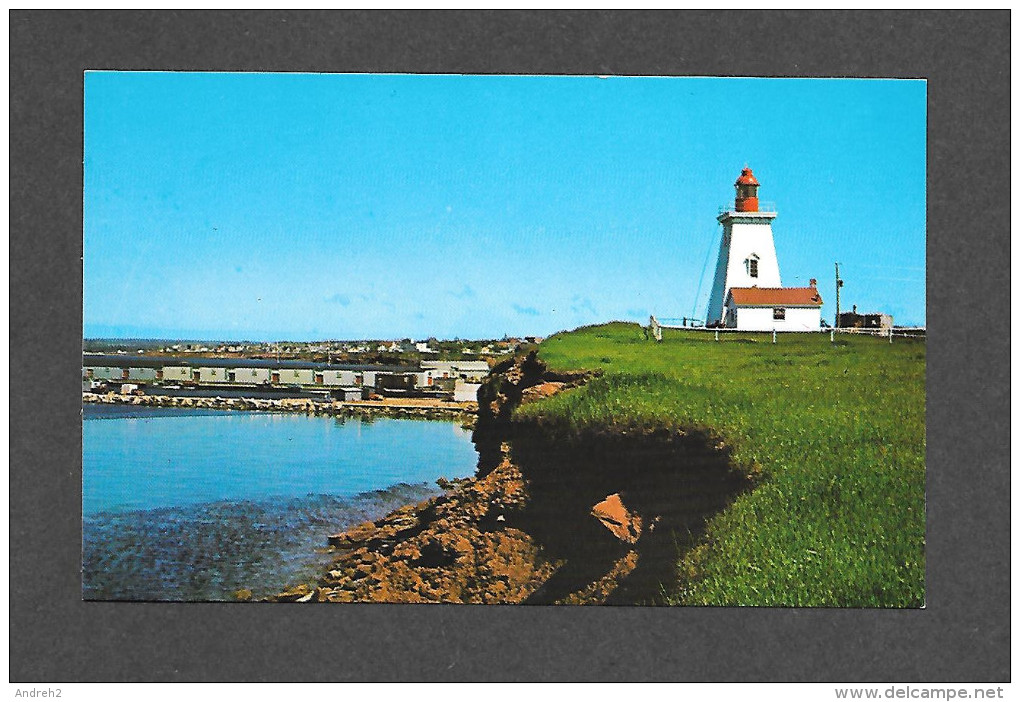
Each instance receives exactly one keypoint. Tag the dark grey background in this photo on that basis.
(963, 634)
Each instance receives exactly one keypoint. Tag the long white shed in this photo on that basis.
(176, 373)
(249, 376)
(336, 378)
(210, 375)
(296, 376)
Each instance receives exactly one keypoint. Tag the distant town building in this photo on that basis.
(747, 292)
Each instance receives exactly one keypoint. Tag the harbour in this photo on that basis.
(199, 504)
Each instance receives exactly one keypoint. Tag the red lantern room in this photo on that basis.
(747, 192)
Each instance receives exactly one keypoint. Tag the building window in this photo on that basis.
(779, 313)
(752, 267)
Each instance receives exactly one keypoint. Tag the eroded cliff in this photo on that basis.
(593, 519)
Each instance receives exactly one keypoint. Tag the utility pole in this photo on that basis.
(839, 284)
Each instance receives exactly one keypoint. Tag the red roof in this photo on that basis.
(747, 178)
(770, 297)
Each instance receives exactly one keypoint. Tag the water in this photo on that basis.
(196, 504)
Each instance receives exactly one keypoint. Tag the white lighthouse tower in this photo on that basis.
(747, 255)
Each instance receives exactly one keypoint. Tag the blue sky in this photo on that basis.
(293, 206)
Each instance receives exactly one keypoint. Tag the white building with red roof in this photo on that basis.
(747, 292)
(778, 309)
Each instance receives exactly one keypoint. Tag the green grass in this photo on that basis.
(836, 433)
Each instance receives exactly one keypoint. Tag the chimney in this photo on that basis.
(813, 283)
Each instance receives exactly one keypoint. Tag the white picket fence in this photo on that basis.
(656, 327)
(903, 332)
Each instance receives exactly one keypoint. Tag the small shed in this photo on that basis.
(466, 370)
(867, 320)
(465, 392)
(350, 394)
(471, 370)
(395, 381)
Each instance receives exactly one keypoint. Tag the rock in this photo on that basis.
(615, 516)
(537, 392)
(243, 595)
(355, 535)
(299, 593)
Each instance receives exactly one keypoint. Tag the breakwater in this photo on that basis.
(464, 412)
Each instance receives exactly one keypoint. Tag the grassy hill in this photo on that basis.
(833, 432)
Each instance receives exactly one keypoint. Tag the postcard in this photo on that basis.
(504, 339)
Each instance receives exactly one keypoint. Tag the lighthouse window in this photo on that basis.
(779, 313)
(752, 267)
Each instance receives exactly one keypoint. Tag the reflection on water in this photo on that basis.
(167, 457)
(195, 504)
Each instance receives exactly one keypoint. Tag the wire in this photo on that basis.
(701, 279)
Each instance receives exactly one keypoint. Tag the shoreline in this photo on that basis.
(544, 520)
(399, 408)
